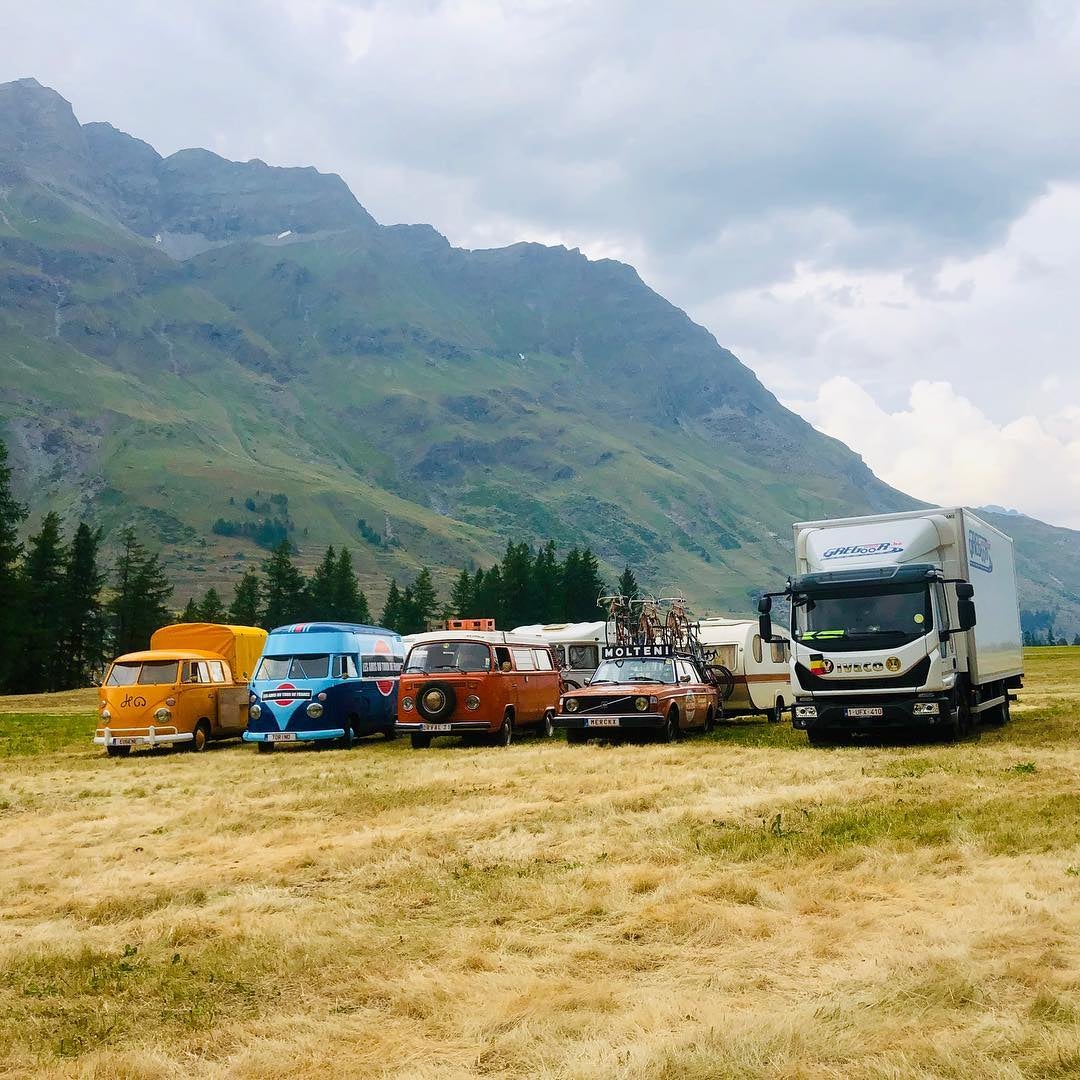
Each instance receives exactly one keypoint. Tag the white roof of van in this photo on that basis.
(559, 632)
(492, 637)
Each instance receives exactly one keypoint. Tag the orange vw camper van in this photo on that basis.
(191, 686)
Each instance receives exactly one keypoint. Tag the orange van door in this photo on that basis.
(528, 685)
(547, 681)
(508, 682)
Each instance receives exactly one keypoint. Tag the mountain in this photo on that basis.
(224, 351)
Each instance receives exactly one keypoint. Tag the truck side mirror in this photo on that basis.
(764, 605)
(964, 590)
(965, 612)
(765, 626)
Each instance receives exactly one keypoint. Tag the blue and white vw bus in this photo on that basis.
(324, 681)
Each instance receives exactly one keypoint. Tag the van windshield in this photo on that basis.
(158, 673)
(450, 656)
(308, 666)
(634, 670)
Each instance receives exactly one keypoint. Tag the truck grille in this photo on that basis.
(916, 676)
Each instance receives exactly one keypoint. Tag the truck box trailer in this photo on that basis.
(900, 620)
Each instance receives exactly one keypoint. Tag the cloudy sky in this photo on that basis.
(874, 204)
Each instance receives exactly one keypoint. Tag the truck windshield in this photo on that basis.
(149, 674)
(634, 670)
(450, 656)
(842, 619)
(294, 667)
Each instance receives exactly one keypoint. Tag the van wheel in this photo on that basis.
(390, 733)
(505, 735)
(118, 751)
(549, 724)
(776, 713)
(420, 742)
(265, 747)
(346, 741)
(671, 727)
(200, 737)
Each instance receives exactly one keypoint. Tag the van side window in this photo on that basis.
(523, 659)
(196, 671)
(217, 671)
(345, 667)
(757, 648)
(584, 656)
(779, 652)
(502, 658)
(560, 654)
(543, 659)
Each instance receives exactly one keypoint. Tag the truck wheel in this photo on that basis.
(200, 737)
(959, 725)
(505, 735)
(265, 747)
(776, 713)
(549, 724)
(118, 751)
(420, 742)
(671, 727)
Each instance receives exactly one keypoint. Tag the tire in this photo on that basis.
(118, 751)
(549, 724)
(776, 713)
(348, 740)
(420, 742)
(435, 716)
(960, 722)
(710, 722)
(505, 735)
(671, 727)
(200, 737)
(576, 736)
(265, 747)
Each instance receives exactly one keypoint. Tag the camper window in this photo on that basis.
(757, 648)
(543, 659)
(584, 656)
(217, 671)
(345, 667)
(722, 656)
(779, 652)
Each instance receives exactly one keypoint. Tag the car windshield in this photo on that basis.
(449, 656)
(635, 670)
(159, 673)
(831, 618)
(273, 668)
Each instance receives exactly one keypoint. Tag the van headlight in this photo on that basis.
(314, 710)
(407, 704)
(162, 714)
(472, 703)
(571, 704)
(255, 711)
(105, 714)
(641, 703)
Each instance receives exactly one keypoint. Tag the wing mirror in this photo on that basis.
(965, 613)
(684, 678)
(965, 590)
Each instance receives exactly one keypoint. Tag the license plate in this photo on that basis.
(436, 727)
(281, 736)
(869, 711)
(602, 721)
(124, 742)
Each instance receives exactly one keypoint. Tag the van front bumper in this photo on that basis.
(141, 736)
(447, 727)
(607, 722)
(286, 737)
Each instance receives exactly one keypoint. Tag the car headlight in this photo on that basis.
(105, 714)
(472, 702)
(572, 704)
(641, 703)
(407, 704)
(255, 711)
(314, 710)
(162, 714)
(806, 711)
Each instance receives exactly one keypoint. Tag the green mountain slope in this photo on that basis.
(183, 337)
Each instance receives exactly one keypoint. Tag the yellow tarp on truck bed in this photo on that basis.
(241, 646)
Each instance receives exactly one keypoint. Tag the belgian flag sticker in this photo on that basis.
(819, 665)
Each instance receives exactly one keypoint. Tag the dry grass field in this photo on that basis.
(738, 906)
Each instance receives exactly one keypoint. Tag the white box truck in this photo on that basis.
(901, 620)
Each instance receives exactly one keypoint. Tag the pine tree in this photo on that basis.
(12, 514)
(83, 643)
(478, 608)
(628, 584)
(459, 606)
(40, 665)
(247, 600)
(421, 604)
(488, 600)
(285, 591)
(191, 611)
(391, 612)
(321, 589)
(516, 598)
(140, 602)
(350, 603)
(581, 585)
(211, 607)
(546, 592)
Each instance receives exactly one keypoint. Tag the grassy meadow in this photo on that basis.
(737, 906)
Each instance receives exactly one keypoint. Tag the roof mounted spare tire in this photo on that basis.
(436, 701)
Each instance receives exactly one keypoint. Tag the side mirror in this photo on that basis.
(684, 678)
(965, 611)
(964, 590)
(765, 625)
(764, 605)
(587, 681)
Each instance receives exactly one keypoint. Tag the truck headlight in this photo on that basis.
(806, 712)
(472, 703)
(162, 714)
(571, 704)
(641, 703)
(926, 708)
(314, 710)
(255, 711)
(407, 704)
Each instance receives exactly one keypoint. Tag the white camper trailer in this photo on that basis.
(760, 671)
(576, 646)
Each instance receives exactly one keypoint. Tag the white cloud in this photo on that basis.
(942, 448)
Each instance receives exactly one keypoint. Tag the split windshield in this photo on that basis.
(449, 656)
(634, 670)
(150, 674)
(886, 618)
(312, 666)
